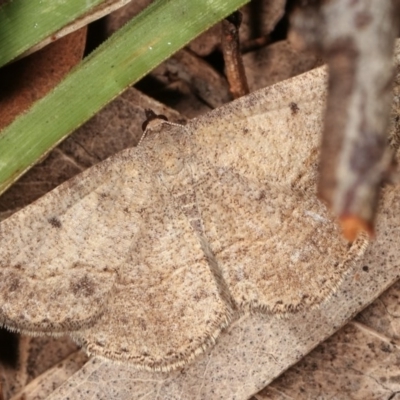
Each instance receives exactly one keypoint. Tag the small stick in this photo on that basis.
(233, 57)
(357, 39)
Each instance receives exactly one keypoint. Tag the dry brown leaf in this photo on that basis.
(260, 18)
(277, 62)
(204, 81)
(53, 377)
(26, 81)
(36, 355)
(358, 362)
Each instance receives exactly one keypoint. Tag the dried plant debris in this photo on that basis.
(277, 62)
(203, 80)
(27, 80)
(358, 362)
(357, 39)
(35, 356)
(44, 384)
(147, 256)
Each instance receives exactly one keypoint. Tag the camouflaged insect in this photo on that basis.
(147, 256)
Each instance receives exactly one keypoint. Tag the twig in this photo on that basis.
(233, 57)
(357, 39)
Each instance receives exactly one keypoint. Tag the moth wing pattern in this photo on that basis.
(55, 275)
(167, 304)
(147, 256)
(279, 249)
(111, 256)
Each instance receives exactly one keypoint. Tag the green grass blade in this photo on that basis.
(155, 34)
(23, 23)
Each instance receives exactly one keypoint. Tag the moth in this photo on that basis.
(146, 257)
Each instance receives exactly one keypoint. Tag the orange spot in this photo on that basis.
(352, 225)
